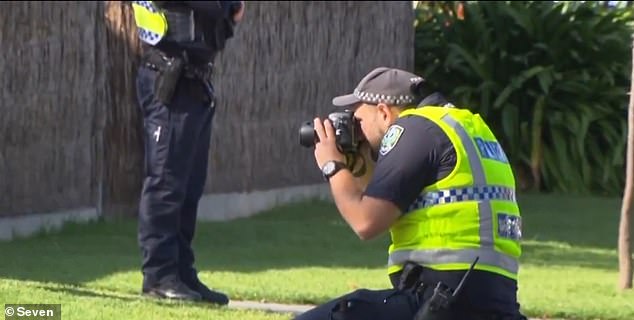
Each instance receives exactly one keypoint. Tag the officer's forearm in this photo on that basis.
(367, 216)
(347, 195)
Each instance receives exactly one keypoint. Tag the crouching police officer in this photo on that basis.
(180, 41)
(443, 187)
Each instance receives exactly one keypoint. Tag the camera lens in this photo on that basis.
(307, 134)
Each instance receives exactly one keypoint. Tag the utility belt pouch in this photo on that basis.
(167, 79)
(439, 305)
(410, 277)
(182, 28)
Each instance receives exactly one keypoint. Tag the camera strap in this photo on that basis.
(351, 163)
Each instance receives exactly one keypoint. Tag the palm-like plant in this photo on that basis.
(550, 78)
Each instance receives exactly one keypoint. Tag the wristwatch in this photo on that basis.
(331, 167)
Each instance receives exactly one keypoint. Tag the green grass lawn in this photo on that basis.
(305, 253)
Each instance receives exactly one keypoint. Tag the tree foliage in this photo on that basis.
(551, 78)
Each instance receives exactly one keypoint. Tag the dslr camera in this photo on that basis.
(348, 132)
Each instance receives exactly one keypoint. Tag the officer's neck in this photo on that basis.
(434, 99)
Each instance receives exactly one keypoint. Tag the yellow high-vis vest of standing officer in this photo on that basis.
(150, 21)
(470, 213)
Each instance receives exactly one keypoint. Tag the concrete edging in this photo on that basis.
(212, 207)
(269, 307)
(227, 206)
(28, 225)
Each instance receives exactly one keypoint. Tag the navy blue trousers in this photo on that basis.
(177, 139)
(363, 304)
(392, 304)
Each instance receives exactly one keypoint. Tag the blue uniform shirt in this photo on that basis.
(214, 26)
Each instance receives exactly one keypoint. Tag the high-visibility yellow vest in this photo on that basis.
(472, 212)
(150, 21)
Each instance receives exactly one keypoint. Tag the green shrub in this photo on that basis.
(550, 78)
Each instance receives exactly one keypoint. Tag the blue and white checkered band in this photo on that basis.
(148, 36)
(147, 5)
(463, 194)
(382, 98)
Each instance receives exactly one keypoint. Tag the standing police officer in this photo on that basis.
(181, 40)
(443, 187)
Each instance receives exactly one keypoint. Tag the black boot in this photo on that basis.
(206, 294)
(172, 289)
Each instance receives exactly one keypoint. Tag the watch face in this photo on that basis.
(329, 167)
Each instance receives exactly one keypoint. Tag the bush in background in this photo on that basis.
(550, 78)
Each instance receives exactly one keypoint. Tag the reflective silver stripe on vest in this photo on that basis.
(443, 256)
(479, 180)
(481, 192)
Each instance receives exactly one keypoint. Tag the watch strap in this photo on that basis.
(338, 166)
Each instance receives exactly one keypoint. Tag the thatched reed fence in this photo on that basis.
(69, 124)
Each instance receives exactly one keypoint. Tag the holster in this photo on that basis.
(411, 276)
(170, 70)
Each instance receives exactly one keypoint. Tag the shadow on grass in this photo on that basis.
(100, 293)
(85, 292)
(570, 231)
(308, 234)
(302, 235)
(579, 221)
(557, 254)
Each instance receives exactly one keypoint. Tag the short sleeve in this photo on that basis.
(415, 152)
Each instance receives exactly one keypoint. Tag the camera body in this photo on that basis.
(347, 132)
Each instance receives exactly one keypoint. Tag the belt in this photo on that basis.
(157, 60)
(200, 72)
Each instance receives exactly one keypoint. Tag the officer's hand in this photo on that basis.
(238, 15)
(326, 148)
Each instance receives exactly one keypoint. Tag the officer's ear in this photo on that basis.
(384, 111)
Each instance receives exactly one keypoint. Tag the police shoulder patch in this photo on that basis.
(390, 139)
